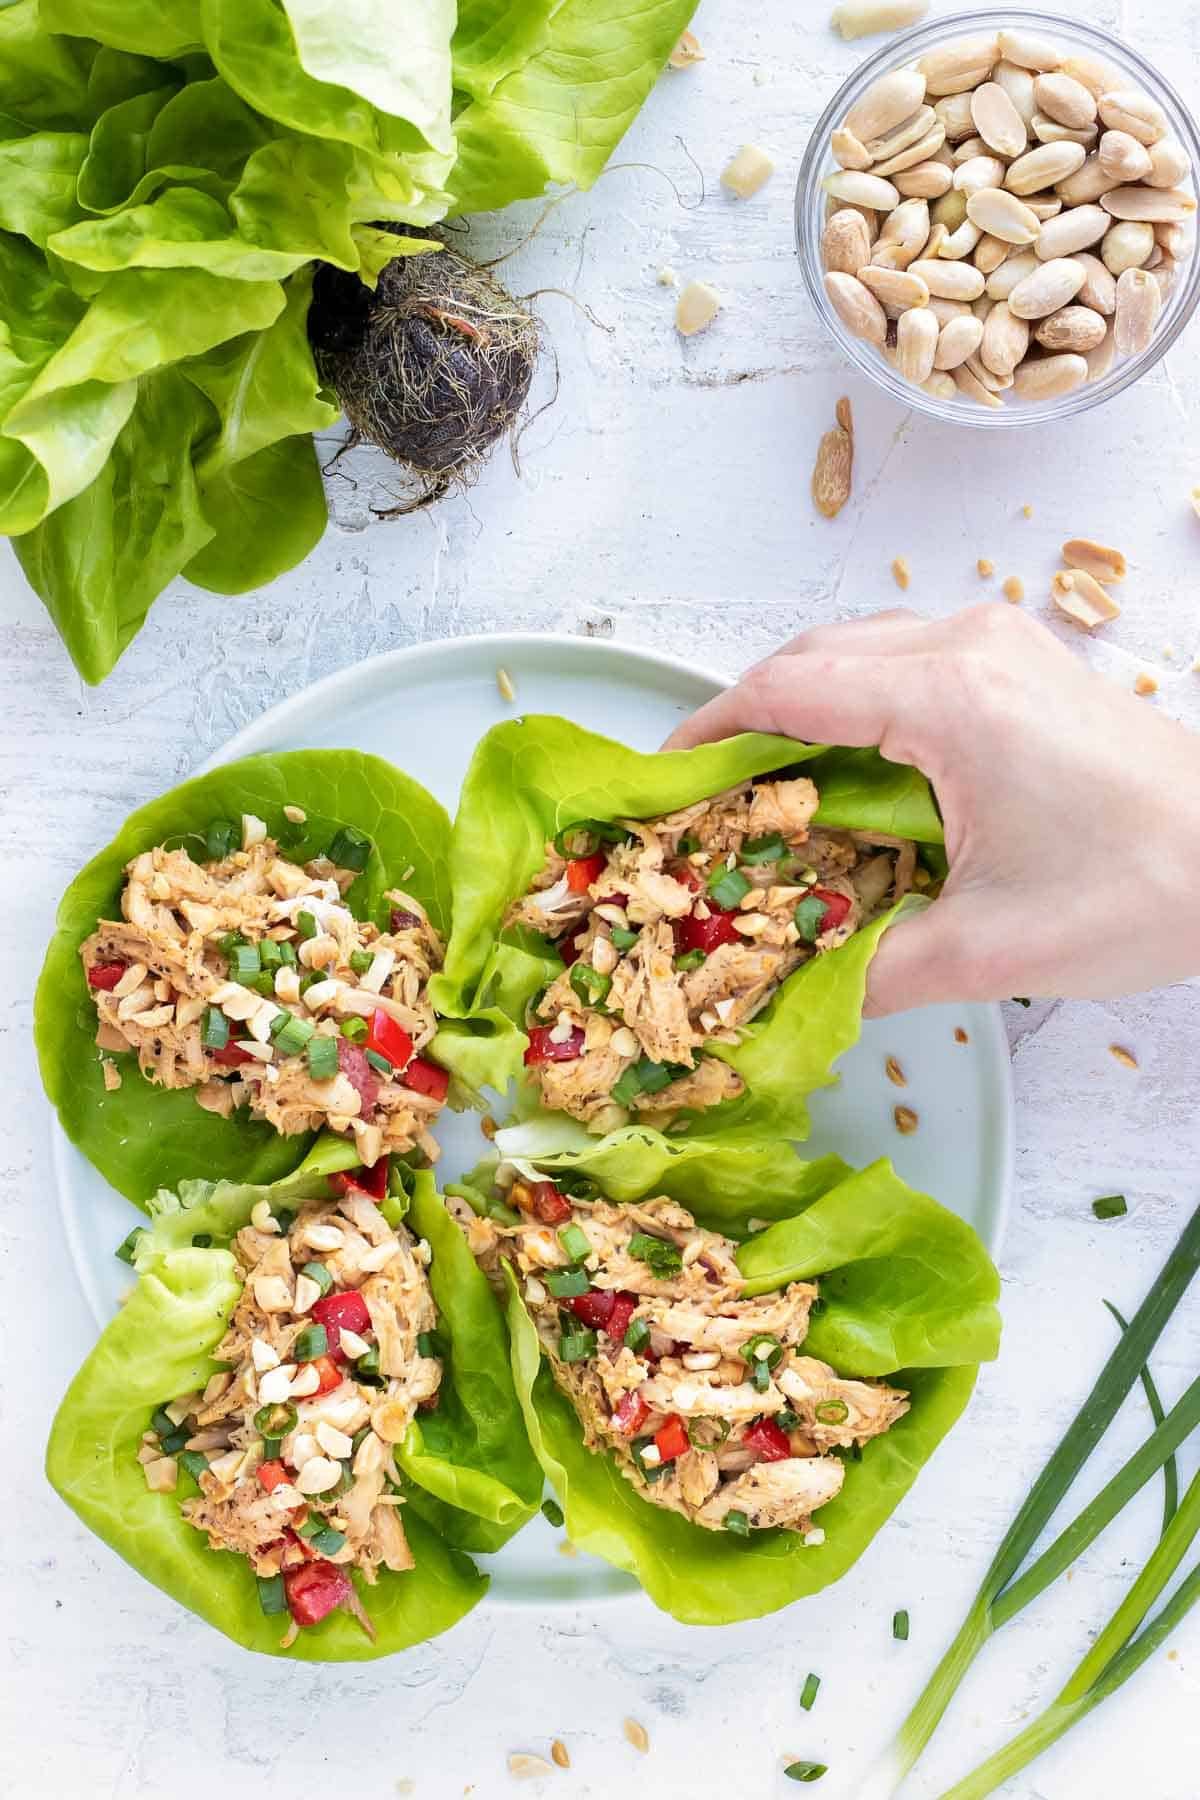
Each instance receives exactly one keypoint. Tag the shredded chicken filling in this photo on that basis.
(704, 1397)
(679, 935)
(211, 960)
(291, 1445)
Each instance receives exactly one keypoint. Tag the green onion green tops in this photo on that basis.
(663, 1258)
(1110, 1206)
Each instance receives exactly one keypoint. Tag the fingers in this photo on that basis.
(925, 960)
(877, 634)
(824, 698)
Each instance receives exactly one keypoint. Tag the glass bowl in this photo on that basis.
(1178, 306)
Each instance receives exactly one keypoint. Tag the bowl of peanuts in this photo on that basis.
(996, 217)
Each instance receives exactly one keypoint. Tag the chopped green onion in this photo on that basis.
(661, 1257)
(809, 1692)
(359, 1439)
(728, 887)
(220, 840)
(309, 1527)
(690, 959)
(589, 984)
(1110, 1206)
(767, 849)
(831, 1412)
(310, 1343)
(553, 1513)
(807, 917)
(244, 962)
(429, 1344)
(229, 942)
(322, 1057)
(760, 1377)
(623, 939)
(271, 1595)
(688, 844)
(263, 984)
(565, 1284)
(737, 1522)
(648, 1471)
(653, 1076)
(764, 1347)
(1019, 1000)
(380, 1064)
(637, 1335)
(360, 961)
(577, 1346)
(787, 1418)
(269, 953)
(574, 1241)
(320, 1274)
(194, 1462)
(585, 836)
(306, 925)
(354, 1028)
(312, 978)
(287, 954)
(174, 1441)
(292, 1035)
(806, 1771)
(276, 1420)
(328, 1541)
(162, 1422)
(202, 1240)
(127, 1248)
(350, 849)
(367, 1366)
(270, 1449)
(626, 1087)
(214, 1033)
(900, 1626)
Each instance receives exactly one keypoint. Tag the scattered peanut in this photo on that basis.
(1144, 685)
(960, 1036)
(1003, 168)
(1081, 598)
(1013, 589)
(750, 169)
(559, 1754)
(686, 52)
(696, 308)
(528, 1768)
(505, 684)
(835, 464)
(901, 573)
(864, 18)
(895, 1073)
(1099, 561)
(906, 1120)
(637, 1735)
(1125, 1057)
(985, 567)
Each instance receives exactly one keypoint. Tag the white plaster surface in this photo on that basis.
(664, 500)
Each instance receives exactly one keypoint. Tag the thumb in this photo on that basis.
(932, 957)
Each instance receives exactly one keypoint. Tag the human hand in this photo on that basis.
(1072, 808)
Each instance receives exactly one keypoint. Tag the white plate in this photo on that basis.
(425, 709)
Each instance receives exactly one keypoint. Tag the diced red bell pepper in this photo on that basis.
(706, 934)
(768, 1440)
(548, 1205)
(595, 1307)
(386, 1038)
(272, 1475)
(402, 919)
(372, 1180)
(837, 908)
(630, 1414)
(314, 1591)
(622, 1312)
(570, 949)
(330, 1375)
(352, 1061)
(346, 1311)
(106, 975)
(427, 1078)
(689, 877)
(671, 1438)
(543, 1048)
(231, 1057)
(584, 870)
(613, 900)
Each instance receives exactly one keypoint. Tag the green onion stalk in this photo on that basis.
(1002, 1594)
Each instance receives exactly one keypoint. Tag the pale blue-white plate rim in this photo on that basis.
(424, 708)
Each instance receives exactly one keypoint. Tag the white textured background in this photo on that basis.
(664, 500)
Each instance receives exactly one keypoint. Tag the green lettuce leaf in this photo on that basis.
(471, 1456)
(910, 1293)
(38, 175)
(43, 77)
(531, 777)
(141, 1137)
(161, 1344)
(547, 90)
(149, 27)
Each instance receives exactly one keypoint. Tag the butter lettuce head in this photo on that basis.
(909, 1293)
(142, 1137)
(161, 1344)
(530, 778)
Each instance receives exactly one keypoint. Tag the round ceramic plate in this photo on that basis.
(425, 709)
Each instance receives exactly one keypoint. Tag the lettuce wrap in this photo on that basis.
(482, 1481)
(530, 779)
(907, 1292)
(140, 1136)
